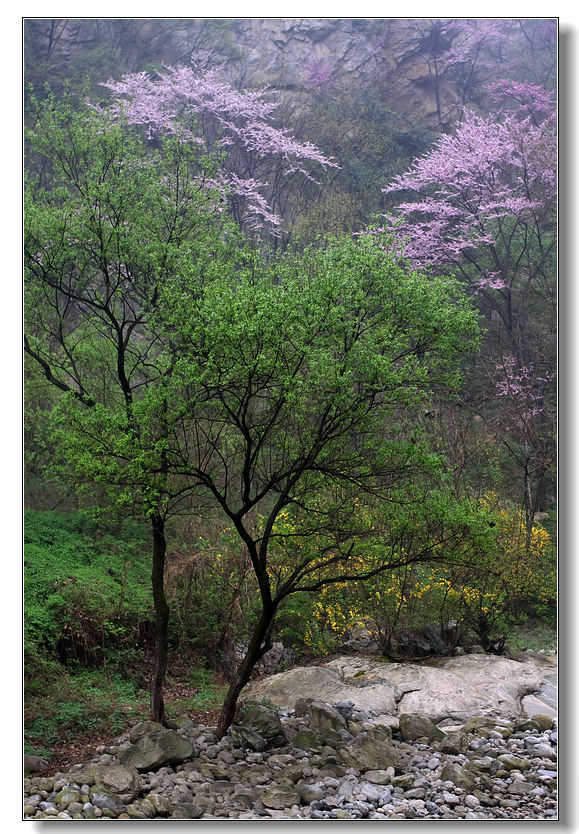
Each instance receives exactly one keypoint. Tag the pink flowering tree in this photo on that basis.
(254, 158)
(482, 204)
(320, 77)
(464, 55)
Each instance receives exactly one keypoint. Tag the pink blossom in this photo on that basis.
(475, 188)
(523, 387)
(199, 106)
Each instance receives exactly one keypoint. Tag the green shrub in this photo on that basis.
(89, 701)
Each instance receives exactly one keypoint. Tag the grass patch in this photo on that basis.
(87, 615)
(198, 691)
(534, 635)
(89, 701)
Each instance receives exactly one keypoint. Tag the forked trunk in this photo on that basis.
(157, 706)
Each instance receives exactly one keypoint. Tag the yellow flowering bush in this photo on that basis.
(486, 588)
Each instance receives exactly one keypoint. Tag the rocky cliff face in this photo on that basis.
(297, 55)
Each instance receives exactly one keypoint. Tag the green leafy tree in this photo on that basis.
(307, 379)
(107, 223)
(188, 372)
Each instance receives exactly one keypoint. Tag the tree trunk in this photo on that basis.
(261, 632)
(161, 620)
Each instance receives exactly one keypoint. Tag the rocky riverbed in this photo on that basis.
(316, 760)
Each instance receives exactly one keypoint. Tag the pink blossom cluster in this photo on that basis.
(479, 41)
(523, 386)
(320, 76)
(198, 105)
(475, 188)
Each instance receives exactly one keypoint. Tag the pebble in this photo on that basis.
(224, 781)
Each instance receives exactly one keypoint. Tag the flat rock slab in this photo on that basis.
(456, 687)
(324, 683)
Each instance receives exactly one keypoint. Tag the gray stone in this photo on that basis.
(35, 764)
(141, 729)
(263, 720)
(187, 811)
(109, 803)
(369, 792)
(325, 684)
(459, 687)
(307, 738)
(310, 793)
(366, 752)
(157, 748)
(415, 726)
(162, 805)
(450, 798)
(509, 803)
(545, 722)
(520, 787)
(65, 797)
(324, 716)
(44, 783)
(377, 777)
(511, 762)
(248, 738)
(448, 741)
(415, 793)
(282, 795)
(525, 724)
(406, 780)
(544, 751)
(458, 776)
(121, 780)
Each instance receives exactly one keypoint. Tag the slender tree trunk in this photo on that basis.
(161, 619)
(261, 632)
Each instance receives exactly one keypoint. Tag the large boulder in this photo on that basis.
(454, 687)
(415, 726)
(248, 738)
(120, 780)
(263, 720)
(155, 749)
(322, 716)
(459, 687)
(325, 684)
(142, 728)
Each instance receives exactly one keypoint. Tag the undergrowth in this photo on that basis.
(89, 625)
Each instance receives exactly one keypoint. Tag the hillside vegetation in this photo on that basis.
(290, 352)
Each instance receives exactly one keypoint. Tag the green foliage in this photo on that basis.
(209, 583)
(86, 590)
(88, 616)
(488, 578)
(88, 701)
(536, 635)
(208, 695)
(371, 144)
(108, 221)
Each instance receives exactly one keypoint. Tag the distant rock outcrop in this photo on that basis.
(283, 53)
